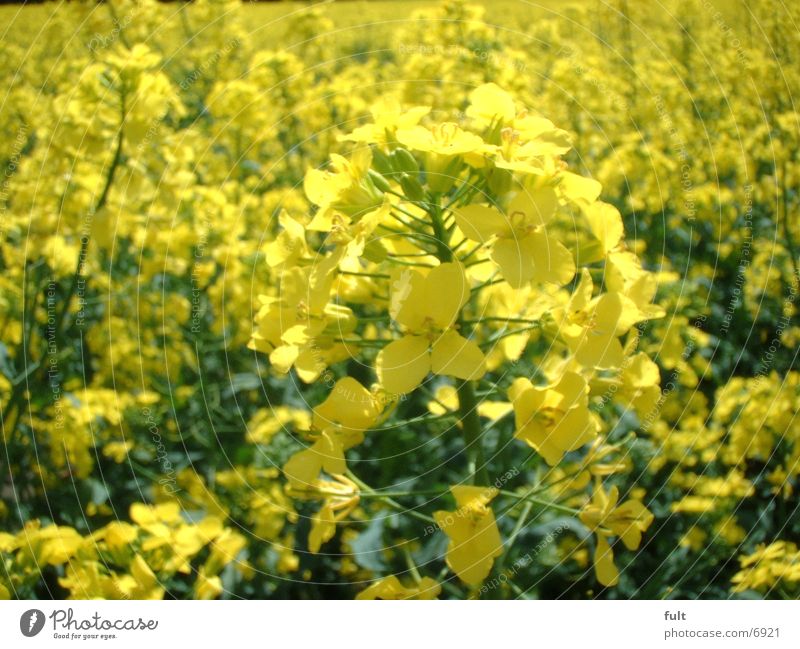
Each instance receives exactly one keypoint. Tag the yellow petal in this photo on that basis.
(578, 189)
(622, 267)
(392, 589)
(428, 588)
(322, 187)
(606, 571)
(387, 588)
(417, 138)
(605, 222)
(575, 429)
(489, 102)
(304, 467)
(349, 407)
(281, 358)
(537, 206)
(552, 262)
(323, 527)
(600, 350)
(474, 543)
(454, 355)
(597, 345)
(632, 518)
(407, 304)
(446, 291)
(642, 372)
(330, 447)
(572, 390)
(403, 364)
(481, 223)
(537, 437)
(472, 496)
(519, 388)
(206, 587)
(494, 409)
(309, 365)
(289, 244)
(516, 265)
(582, 295)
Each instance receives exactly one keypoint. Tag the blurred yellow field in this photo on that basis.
(390, 300)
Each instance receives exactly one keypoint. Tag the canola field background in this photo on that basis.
(400, 300)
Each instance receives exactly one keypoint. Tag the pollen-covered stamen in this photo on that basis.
(339, 232)
(510, 139)
(302, 311)
(430, 329)
(473, 512)
(446, 134)
(583, 319)
(520, 223)
(548, 416)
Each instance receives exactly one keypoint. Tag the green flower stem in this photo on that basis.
(397, 494)
(408, 235)
(488, 282)
(402, 210)
(412, 567)
(403, 222)
(13, 405)
(500, 319)
(442, 239)
(433, 398)
(472, 252)
(523, 518)
(544, 503)
(459, 244)
(403, 262)
(405, 211)
(521, 594)
(408, 254)
(506, 334)
(424, 419)
(369, 492)
(355, 274)
(471, 424)
(467, 401)
(362, 343)
(518, 527)
(101, 201)
(467, 189)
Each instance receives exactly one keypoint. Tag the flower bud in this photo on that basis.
(381, 162)
(403, 161)
(379, 181)
(412, 188)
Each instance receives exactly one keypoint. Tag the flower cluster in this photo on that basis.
(346, 312)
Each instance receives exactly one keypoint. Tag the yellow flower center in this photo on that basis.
(548, 416)
(510, 139)
(520, 223)
(339, 230)
(446, 134)
(584, 319)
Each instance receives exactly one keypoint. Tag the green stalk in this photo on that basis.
(471, 425)
(368, 491)
(442, 240)
(467, 401)
(544, 503)
(521, 521)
